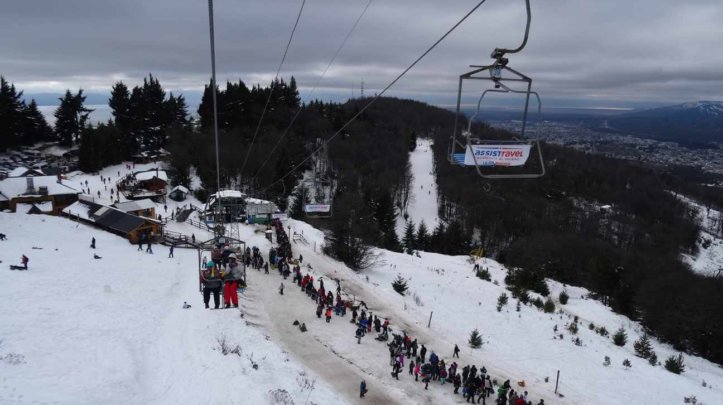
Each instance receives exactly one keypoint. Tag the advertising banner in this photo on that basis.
(497, 155)
(317, 207)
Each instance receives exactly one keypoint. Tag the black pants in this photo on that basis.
(207, 296)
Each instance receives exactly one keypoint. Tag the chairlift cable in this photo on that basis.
(361, 111)
(318, 81)
(271, 88)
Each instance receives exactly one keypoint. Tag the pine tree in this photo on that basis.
(620, 337)
(564, 297)
(36, 128)
(653, 359)
(675, 364)
(11, 115)
(70, 118)
(400, 285)
(549, 306)
(643, 347)
(422, 237)
(300, 198)
(501, 301)
(412, 141)
(475, 339)
(409, 241)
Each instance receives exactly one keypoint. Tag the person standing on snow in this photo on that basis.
(281, 289)
(362, 389)
(170, 252)
(423, 353)
(328, 314)
(211, 284)
(92, 242)
(231, 278)
(456, 351)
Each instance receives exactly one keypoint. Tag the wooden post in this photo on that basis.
(430, 319)
(557, 380)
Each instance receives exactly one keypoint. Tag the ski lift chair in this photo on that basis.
(494, 154)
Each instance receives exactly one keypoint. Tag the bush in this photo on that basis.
(602, 331)
(549, 306)
(627, 363)
(537, 302)
(564, 297)
(400, 285)
(620, 337)
(642, 347)
(606, 362)
(572, 328)
(501, 301)
(484, 274)
(674, 364)
(653, 359)
(591, 326)
(475, 339)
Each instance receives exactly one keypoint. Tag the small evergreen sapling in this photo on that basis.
(400, 285)
(627, 363)
(549, 306)
(653, 359)
(483, 274)
(564, 297)
(501, 301)
(675, 364)
(475, 339)
(606, 362)
(642, 347)
(620, 337)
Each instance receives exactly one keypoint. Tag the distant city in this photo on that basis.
(620, 146)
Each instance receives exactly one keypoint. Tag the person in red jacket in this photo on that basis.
(328, 314)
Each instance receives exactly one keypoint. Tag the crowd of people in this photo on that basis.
(475, 383)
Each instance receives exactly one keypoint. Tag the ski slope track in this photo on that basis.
(423, 201)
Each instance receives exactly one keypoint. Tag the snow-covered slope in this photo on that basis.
(423, 203)
(78, 330)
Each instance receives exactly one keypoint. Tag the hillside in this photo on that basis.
(690, 124)
(126, 338)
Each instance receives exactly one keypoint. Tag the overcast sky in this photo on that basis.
(611, 53)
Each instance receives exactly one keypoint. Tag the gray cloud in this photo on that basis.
(614, 50)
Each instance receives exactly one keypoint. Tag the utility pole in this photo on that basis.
(215, 111)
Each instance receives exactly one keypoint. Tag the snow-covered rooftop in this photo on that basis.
(181, 189)
(230, 194)
(13, 187)
(142, 176)
(135, 205)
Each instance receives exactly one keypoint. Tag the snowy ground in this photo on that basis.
(81, 331)
(423, 203)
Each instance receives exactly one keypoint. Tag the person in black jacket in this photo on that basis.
(212, 283)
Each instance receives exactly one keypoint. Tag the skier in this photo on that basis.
(301, 258)
(193, 238)
(319, 309)
(456, 351)
(92, 242)
(2, 236)
(417, 370)
(362, 389)
(328, 314)
(140, 241)
(411, 367)
(281, 289)
(359, 334)
(211, 284)
(170, 251)
(423, 353)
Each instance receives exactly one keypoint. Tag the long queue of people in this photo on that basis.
(476, 383)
